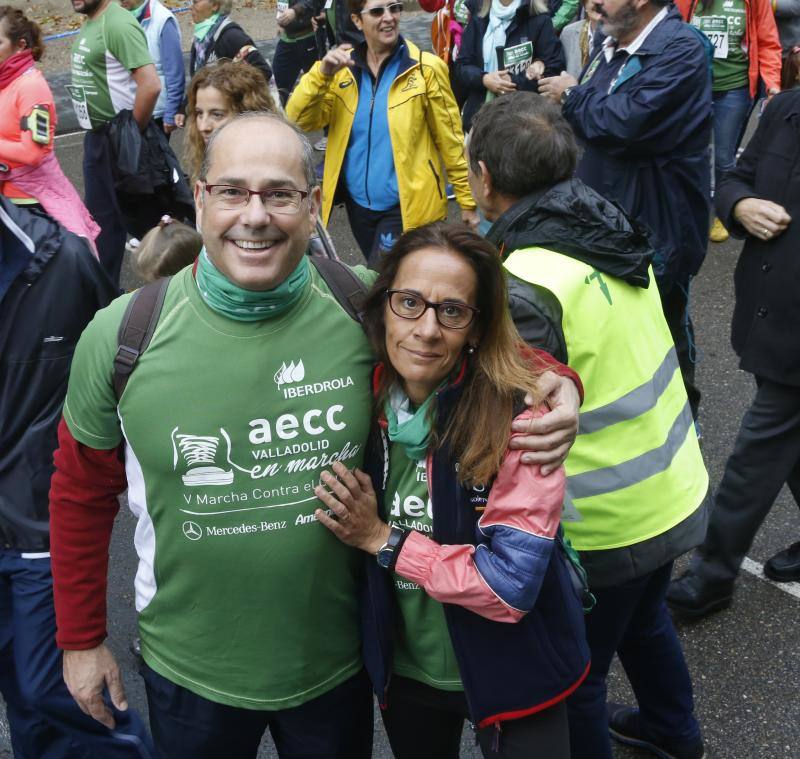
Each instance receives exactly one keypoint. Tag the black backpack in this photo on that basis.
(144, 309)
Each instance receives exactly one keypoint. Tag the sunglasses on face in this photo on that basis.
(377, 11)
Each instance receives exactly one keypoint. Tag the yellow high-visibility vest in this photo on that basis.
(635, 469)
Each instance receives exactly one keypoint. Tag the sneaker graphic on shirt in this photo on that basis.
(199, 454)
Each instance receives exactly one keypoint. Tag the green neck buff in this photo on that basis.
(201, 29)
(411, 429)
(226, 298)
(139, 10)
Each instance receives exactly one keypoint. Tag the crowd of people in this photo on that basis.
(453, 481)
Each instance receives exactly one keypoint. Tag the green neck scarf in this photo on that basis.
(226, 298)
(411, 429)
(201, 29)
(138, 11)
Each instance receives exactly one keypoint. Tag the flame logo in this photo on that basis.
(291, 373)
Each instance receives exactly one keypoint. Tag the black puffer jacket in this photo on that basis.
(572, 219)
(51, 286)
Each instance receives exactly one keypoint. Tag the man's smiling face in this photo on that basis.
(252, 247)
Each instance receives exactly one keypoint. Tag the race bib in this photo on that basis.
(716, 29)
(78, 96)
(517, 58)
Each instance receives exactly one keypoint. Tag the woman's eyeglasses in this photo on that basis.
(377, 11)
(450, 314)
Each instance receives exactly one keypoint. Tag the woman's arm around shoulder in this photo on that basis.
(500, 578)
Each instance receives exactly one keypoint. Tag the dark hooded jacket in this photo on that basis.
(645, 123)
(572, 219)
(50, 287)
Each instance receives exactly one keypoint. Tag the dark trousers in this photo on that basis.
(101, 200)
(631, 620)
(289, 60)
(675, 302)
(426, 723)
(45, 721)
(375, 231)
(335, 725)
(766, 455)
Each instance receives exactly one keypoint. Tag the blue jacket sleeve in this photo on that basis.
(174, 71)
(642, 113)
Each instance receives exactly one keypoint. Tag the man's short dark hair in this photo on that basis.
(525, 143)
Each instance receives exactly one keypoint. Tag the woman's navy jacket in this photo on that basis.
(470, 66)
(508, 670)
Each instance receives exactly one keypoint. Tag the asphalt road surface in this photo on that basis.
(744, 661)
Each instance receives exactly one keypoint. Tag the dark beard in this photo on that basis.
(624, 21)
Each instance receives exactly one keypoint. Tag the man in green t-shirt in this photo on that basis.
(111, 72)
(254, 381)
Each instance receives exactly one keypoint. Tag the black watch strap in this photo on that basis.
(390, 550)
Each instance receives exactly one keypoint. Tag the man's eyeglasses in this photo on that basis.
(377, 11)
(450, 314)
(278, 200)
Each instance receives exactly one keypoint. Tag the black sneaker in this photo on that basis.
(624, 726)
(784, 566)
(693, 598)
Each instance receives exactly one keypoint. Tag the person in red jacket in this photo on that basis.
(746, 48)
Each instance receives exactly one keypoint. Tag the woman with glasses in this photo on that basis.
(474, 608)
(394, 130)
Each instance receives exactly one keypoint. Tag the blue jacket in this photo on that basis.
(645, 122)
(508, 670)
(470, 66)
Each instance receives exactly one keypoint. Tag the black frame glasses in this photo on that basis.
(289, 205)
(377, 11)
(441, 316)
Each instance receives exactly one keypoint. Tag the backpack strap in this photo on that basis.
(136, 329)
(345, 285)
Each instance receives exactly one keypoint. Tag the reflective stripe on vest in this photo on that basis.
(635, 470)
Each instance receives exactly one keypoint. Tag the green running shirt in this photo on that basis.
(423, 650)
(243, 597)
(724, 23)
(103, 55)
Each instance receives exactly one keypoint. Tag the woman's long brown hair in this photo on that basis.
(501, 368)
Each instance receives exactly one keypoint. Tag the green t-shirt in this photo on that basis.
(104, 53)
(423, 650)
(243, 597)
(723, 22)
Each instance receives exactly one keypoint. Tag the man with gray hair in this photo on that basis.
(581, 286)
(255, 379)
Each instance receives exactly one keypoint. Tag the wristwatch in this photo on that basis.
(565, 95)
(388, 552)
